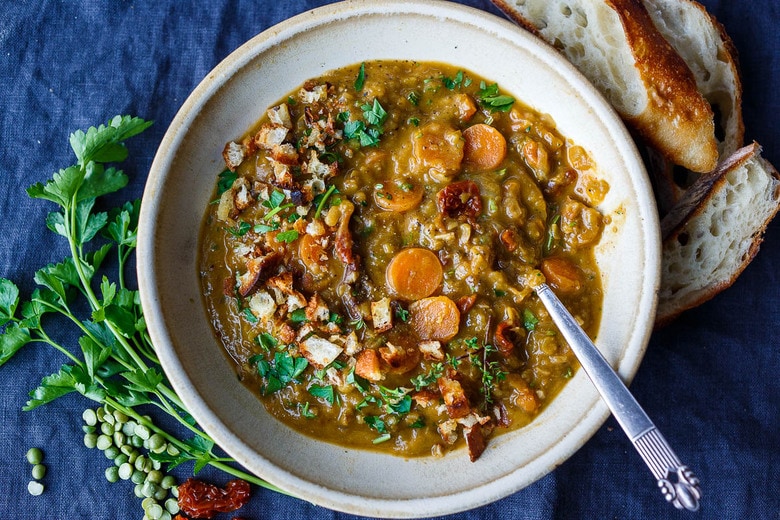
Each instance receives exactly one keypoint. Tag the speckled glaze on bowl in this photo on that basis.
(231, 98)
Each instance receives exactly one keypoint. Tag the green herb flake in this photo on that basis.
(305, 411)
(241, 228)
(287, 236)
(298, 315)
(489, 97)
(225, 181)
(266, 341)
(324, 392)
(251, 318)
(374, 114)
(530, 321)
(361, 77)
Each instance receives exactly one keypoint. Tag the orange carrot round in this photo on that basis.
(562, 274)
(484, 147)
(414, 273)
(435, 318)
(398, 195)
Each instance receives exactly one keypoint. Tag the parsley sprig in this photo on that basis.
(369, 131)
(490, 97)
(115, 363)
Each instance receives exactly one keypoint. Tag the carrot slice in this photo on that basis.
(414, 273)
(562, 274)
(398, 195)
(435, 318)
(484, 147)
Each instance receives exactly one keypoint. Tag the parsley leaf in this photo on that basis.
(287, 236)
(489, 96)
(225, 182)
(361, 77)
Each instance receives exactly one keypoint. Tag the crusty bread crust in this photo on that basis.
(710, 54)
(716, 230)
(617, 46)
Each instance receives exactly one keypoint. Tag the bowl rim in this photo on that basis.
(213, 82)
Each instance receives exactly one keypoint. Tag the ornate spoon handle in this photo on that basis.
(678, 483)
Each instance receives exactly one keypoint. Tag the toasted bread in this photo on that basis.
(707, 49)
(715, 230)
(712, 57)
(617, 46)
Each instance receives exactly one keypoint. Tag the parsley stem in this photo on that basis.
(325, 197)
(277, 209)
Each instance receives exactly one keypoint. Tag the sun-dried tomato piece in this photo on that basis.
(459, 198)
(198, 499)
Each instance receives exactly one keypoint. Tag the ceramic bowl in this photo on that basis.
(181, 182)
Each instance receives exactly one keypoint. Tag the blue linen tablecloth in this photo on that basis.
(710, 381)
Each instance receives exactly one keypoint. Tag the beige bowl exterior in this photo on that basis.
(231, 98)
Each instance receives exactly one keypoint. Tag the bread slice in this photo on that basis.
(709, 52)
(615, 44)
(712, 57)
(715, 230)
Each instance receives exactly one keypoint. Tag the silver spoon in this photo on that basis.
(678, 483)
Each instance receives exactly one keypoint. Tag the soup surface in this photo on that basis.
(369, 257)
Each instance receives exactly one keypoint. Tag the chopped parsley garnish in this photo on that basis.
(322, 200)
(279, 372)
(413, 97)
(266, 341)
(287, 236)
(529, 320)
(361, 77)
(489, 97)
(325, 392)
(225, 182)
(251, 318)
(265, 228)
(374, 114)
(456, 82)
(298, 315)
(368, 132)
(241, 228)
(303, 409)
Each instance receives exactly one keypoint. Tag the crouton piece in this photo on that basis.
(475, 441)
(283, 177)
(233, 154)
(448, 431)
(270, 135)
(317, 311)
(351, 344)
(318, 168)
(257, 269)
(431, 349)
(367, 366)
(285, 153)
(282, 285)
(242, 197)
(319, 351)
(382, 315)
(454, 397)
(425, 398)
(226, 207)
(280, 115)
(313, 94)
(262, 305)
